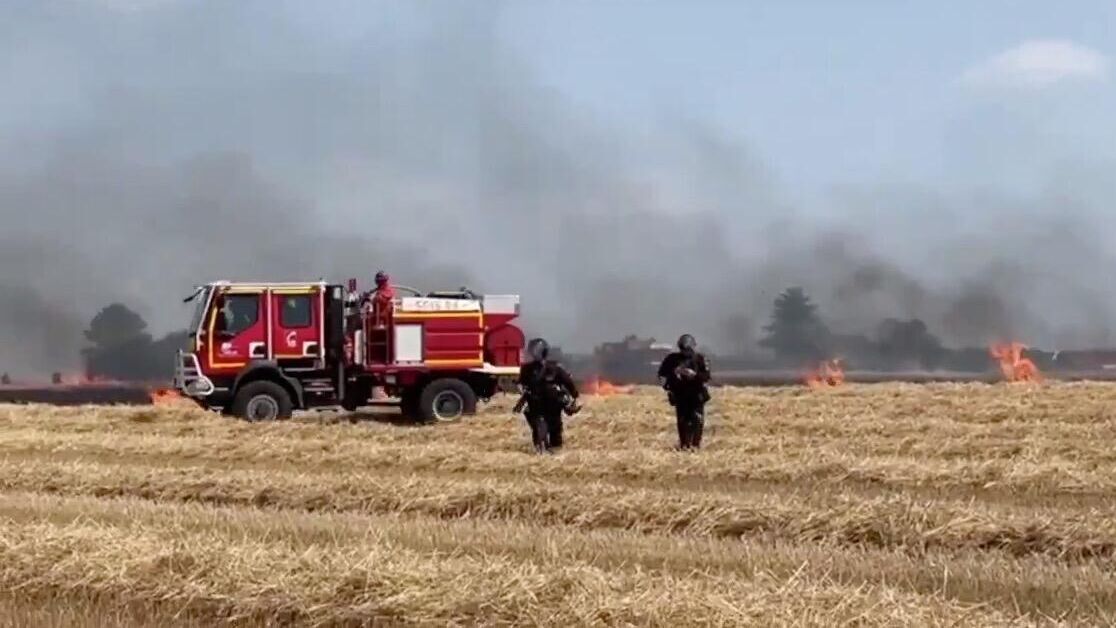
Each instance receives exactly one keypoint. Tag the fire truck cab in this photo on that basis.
(262, 350)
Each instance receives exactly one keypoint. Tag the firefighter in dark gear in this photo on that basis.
(684, 374)
(548, 393)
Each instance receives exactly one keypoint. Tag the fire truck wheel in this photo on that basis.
(447, 400)
(262, 401)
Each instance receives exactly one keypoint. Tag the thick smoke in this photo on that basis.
(148, 149)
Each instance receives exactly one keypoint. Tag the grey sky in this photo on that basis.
(831, 92)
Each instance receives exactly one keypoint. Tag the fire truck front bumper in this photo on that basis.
(188, 377)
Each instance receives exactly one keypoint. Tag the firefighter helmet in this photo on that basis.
(686, 343)
(538, 349)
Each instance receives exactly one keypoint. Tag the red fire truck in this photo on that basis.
(262, 350)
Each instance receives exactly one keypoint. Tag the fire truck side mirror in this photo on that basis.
(335, 329)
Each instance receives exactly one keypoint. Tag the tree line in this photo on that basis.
(797, 335)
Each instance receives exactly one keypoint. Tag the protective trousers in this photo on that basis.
(546, 428)
(691, 423)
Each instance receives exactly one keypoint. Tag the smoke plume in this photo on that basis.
(150, 146)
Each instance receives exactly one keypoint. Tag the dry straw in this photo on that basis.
(869, 505)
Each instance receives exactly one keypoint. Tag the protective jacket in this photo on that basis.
(673, 372)
(546, 384)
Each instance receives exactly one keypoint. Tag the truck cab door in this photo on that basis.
(237, 330)
(296, 324)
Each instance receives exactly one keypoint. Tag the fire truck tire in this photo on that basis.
(262, 401)
(446, 400)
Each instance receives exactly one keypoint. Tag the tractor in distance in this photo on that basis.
(259, 351)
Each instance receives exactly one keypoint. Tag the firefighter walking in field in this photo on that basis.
(684, 375)
(548, 392)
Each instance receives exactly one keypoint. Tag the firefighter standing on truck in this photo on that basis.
(548, 392)
(684, 375)
(381, 299)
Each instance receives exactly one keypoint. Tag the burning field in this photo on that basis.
(78, 390)
(892, 504)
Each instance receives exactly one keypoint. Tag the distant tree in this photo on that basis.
(121, 349)
(909, 342)
(114, 325)
(796, 332)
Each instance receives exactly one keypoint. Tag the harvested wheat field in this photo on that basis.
(878, 505)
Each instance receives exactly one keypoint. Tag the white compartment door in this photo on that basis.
(408, 344)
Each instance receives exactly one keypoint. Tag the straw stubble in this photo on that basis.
(871, 505)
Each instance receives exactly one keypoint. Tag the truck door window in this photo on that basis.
(238, 313)
(295, 312)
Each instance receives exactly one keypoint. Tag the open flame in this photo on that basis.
(603, 388)
(827, 373)
(1013, 365)
(165, 396)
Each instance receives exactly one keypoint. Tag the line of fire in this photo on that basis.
(436, 355)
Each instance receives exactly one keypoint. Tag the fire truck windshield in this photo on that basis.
(201, 300)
